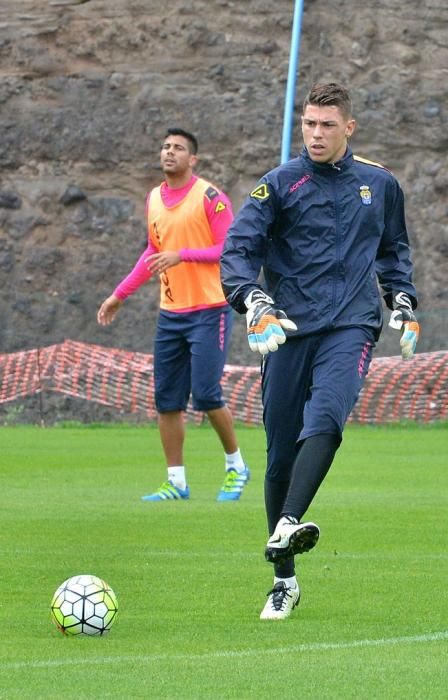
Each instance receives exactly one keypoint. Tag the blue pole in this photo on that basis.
(291, 84)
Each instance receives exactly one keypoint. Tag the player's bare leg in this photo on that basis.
(222, 422)
(172, 435)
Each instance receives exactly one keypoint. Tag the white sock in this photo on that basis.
(177, 476)
(290, 582)
(235, 461)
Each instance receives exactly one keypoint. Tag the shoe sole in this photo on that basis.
(300, 541)
(151, 499)
(162, 500)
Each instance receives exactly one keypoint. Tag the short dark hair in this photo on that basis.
(330, 94)
(192, 140)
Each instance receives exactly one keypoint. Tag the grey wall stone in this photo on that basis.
(88, 87)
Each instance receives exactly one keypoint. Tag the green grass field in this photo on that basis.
(191, 579)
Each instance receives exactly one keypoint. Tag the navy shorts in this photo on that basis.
(309, 387)
(189, 356)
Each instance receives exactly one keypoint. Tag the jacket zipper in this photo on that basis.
(338, 239)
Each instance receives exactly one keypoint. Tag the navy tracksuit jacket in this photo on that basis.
(323, 235)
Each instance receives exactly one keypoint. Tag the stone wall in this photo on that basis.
(88, 87)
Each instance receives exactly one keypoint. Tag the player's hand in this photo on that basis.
(108, 310)
(159, 262)
(403, 319)
(265, 325)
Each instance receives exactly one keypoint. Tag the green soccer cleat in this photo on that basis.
(168, 492)
(233, 485)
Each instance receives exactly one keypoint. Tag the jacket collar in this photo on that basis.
(342, 164)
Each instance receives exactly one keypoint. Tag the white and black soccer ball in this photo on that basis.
(84, 605)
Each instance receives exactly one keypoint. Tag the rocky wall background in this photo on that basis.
(88, 87)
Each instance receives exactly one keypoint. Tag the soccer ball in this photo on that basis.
(84, 604)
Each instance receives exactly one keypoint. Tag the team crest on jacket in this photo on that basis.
(366, 195)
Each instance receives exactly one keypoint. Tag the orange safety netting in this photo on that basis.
(393, 391)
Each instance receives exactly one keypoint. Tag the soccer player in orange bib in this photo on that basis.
(187, 219)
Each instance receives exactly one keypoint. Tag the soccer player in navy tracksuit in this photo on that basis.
(325, 227)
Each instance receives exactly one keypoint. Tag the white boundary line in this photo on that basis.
(232, 654)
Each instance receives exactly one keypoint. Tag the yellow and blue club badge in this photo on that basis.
(366, 195)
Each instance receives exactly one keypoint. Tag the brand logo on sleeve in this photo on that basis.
(365, 194)
(299, 183)
(261, 193)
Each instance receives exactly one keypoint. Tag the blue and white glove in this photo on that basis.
(402, 319)
(265, 325)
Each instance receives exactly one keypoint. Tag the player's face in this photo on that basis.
(175, 157)
(325, 132)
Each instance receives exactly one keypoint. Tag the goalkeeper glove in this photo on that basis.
(265, 324)
(403, 319)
